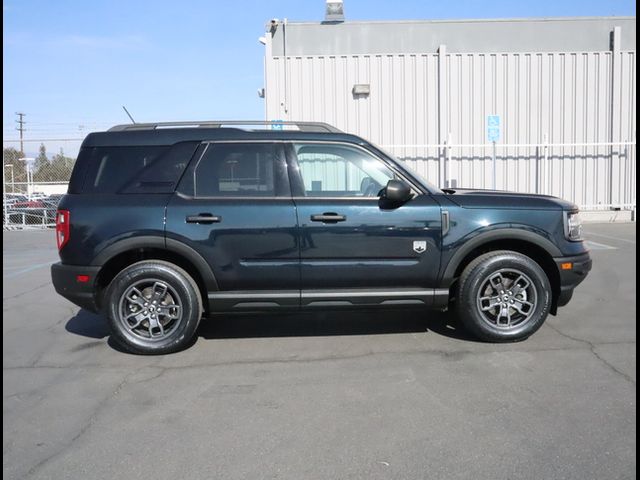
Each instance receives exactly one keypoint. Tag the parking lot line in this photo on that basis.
(612, 238)
(599, 246)
(28, 269)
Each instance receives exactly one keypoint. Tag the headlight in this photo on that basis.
(572, 226)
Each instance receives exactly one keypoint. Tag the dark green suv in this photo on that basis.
(165, 223)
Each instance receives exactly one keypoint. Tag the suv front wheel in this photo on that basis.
(153, 307)
(503, 296)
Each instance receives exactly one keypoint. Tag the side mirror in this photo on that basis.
(397, 191)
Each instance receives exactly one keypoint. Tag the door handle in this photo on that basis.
(204, 218)
(328, 217)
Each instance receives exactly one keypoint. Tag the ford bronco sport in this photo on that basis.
(166, 223)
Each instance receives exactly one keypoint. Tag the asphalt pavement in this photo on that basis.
(352, 395)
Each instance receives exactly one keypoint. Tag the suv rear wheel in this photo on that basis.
(503, 296)
(153, 307)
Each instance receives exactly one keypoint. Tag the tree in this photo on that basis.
(11, 156)
(61, 167)
(42, 158)
(42, 171)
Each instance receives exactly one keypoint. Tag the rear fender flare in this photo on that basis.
(170, 245)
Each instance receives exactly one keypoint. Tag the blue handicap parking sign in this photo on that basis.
(493, 128)
(493, 134)
(276, 125)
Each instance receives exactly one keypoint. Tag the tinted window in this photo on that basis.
(111, 168)
(340, 171)
(242, 169)
(79, 172)
(163, 174)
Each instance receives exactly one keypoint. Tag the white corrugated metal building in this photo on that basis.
(564, 88)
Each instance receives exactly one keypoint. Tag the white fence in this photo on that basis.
(595, 176)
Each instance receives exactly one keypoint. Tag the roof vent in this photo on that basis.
(334, 11)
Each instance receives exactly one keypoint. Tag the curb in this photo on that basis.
(608, 216)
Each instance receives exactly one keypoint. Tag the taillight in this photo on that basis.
(62, 227)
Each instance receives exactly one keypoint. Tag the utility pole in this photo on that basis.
(20, 128)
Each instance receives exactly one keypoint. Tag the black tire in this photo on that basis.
(482, 308)
(169, 291)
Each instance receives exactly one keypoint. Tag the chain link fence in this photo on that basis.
(35, 176)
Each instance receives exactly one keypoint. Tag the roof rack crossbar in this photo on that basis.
(302, 126)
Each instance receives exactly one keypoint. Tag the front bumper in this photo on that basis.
(570, 278)
(64, 278)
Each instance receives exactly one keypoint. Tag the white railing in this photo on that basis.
(594, 175)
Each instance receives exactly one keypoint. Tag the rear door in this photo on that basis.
(354, 248)
(234, 207)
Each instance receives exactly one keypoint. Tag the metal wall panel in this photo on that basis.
(418, 102)
(480, 35)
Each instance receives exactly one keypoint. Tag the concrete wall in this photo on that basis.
(418, 101)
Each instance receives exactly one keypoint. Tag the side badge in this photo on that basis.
(419, 246)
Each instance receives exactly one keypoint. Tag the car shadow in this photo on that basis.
(298, 324)
(87, 324)
(331, 323)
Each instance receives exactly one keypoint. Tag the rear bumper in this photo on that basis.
(570, 278)
(64, 278)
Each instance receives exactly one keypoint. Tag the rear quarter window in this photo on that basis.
(111, 168)
(131, 169)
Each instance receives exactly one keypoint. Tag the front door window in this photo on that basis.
(340, 171)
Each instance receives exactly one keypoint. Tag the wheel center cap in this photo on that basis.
(505, 298)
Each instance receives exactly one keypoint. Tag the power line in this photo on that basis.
(53, 131)
(20, 128)
(36, 140)
(79, 122)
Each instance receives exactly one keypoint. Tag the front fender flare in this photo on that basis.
(490, 236)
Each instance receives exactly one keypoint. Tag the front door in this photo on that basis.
(354, 248)
(234, 208)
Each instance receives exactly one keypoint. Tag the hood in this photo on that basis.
(474, 198)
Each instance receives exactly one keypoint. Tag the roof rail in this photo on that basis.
(268, 124)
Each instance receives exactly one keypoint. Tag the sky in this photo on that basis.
(70, 65)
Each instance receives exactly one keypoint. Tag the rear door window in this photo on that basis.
(240, 170)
